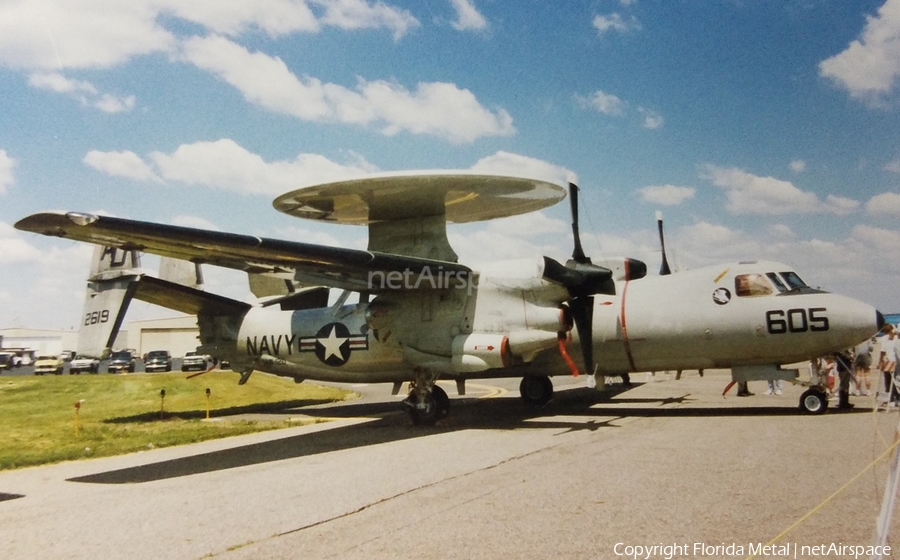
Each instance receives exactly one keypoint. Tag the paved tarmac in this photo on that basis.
(666, 462)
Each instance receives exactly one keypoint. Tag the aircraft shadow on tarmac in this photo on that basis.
(390, 425)
(259, 408)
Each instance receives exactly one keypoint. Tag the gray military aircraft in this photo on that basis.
(423, 316)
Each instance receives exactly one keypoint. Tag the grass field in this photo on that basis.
(121, 413)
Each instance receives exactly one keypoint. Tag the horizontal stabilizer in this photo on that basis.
(186, 299)
(307, 298)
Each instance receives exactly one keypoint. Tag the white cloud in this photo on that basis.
(42, 293)
(81, 90)
(60, 34)
(194, 222)
(870, 65)
(798, 166)
(350, 237)
(54, 81)
(120, 164)
(57, 34)
(111, 104)
(885, 203)
(6, 171)
(606, 103)
(781, 230)
(615, 22)
(752, 194)
(893, 166)
(529, 225)
(233, 17)
(667, 195)
(434, 108)
(704, 243)
(652, 119)
(225, 165)
(467, 16)
(515, 165)
(358, 14)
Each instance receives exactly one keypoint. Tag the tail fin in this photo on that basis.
(267, 286)
(181, 272)
(110, 287)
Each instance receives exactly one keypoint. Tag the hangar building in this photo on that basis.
(178, 335)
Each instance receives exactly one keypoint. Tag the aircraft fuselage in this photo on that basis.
(716, 317)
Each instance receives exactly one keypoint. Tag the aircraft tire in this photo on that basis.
(536, 390)
(442, 401)
(813, 401)
(425, 416)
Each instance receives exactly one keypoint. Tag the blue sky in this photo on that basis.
(762, 130)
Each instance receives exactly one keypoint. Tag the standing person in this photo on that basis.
(844, 364)
(743, 390)
(887, 362)
(862, 363)
(774, 387)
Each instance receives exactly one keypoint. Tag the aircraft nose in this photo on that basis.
(879, 319)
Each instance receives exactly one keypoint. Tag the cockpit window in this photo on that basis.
(751, 285)
(777, 281)
(793, 281)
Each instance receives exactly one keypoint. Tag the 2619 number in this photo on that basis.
(96, 317)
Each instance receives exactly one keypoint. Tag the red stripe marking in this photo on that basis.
(625, 330)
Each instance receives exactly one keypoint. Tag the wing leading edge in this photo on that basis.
(307, 263)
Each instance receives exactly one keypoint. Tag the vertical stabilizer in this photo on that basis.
(266, 286)
(110, 287)
(181, 272)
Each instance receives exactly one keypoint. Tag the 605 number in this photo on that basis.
(796, 320)
(96, 318)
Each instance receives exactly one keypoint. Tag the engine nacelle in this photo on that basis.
(526, 344)
(480, 352)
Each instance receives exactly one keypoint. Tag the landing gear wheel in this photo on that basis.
(536, 390)
(424, 413)
(442, 401)
(813, 401)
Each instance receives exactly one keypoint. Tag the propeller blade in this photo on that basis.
(664, 268)
(583, 315)
(578, 253)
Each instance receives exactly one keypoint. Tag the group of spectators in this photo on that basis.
(853, 368)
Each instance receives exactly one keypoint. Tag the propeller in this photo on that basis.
(664, 268)
(582, 279)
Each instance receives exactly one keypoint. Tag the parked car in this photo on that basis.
(158, 360)
(6, 360)
(82, 364)
(193, 361)
(48, 364)
(67, 355)
(122, 360)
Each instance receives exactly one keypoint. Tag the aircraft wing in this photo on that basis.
(336, 267)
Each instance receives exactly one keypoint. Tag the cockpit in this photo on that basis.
(769, 283)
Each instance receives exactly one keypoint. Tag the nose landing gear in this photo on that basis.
(427, 403)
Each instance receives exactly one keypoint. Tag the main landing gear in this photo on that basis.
(536, 390)
(427, 403)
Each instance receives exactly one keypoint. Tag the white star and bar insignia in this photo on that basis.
(333, 344)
